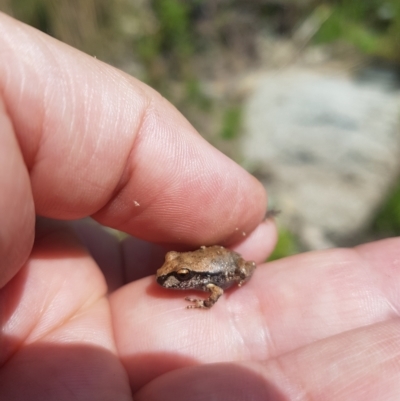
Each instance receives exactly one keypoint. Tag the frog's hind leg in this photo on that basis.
(216, 292)
(245, 271)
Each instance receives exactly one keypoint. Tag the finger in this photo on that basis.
(287, 304)
(57, 338)
(120, 260)
(142, 258)
(98, 142)
(104, 247)
(259, 244)
(358, 365)
(123, 261)
(58, 279)
(16, 203)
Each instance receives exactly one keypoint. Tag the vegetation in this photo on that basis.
(287, 245)
(165, 36)
(387, 220)
(231, 122)
(372, 26)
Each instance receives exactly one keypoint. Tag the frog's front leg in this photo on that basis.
(244, 271)
(216, 292)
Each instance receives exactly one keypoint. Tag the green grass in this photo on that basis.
(287, 245)
(387, 221)
(231, 123)
(195, 95)
(366, 25)
(174, 22)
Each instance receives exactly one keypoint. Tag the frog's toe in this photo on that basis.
(197, 303)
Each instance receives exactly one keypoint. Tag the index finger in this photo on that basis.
(97, 142)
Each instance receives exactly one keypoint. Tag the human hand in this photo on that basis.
(79, 138)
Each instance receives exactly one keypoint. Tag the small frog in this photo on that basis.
(211, 269)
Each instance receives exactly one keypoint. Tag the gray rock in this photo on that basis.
(327, 149)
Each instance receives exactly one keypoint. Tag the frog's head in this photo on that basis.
(175, 273)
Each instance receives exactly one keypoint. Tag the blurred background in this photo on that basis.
(305, 94)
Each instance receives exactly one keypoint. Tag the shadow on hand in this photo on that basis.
(217, 381)
(63, 372)
(85, 372)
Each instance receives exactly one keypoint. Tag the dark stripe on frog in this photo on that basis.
(201, 279)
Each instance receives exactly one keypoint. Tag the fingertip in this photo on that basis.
(260, 243)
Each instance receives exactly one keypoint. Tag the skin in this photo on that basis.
(321, 326)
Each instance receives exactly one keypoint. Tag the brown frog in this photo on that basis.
(210, 269)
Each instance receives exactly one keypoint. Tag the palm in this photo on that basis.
(323, 322)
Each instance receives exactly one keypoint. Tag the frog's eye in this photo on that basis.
(184, 274)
